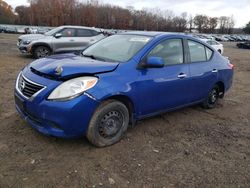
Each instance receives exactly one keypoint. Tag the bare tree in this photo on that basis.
(201, 21)
(95, 14)
(6, 13)
(212, 24)
(23, 15)
(226, 24)
(180, 23)
(190, 23)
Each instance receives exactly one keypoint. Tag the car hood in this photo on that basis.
(32, 37)
(67, 66)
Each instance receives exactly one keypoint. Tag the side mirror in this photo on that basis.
(154, 62)
(58, 35)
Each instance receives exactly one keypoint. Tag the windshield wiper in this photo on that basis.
(90, 56)
(93, 57)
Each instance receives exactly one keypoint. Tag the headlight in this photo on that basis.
(72, 88)
(27, 42)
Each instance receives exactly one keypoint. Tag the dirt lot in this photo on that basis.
(191, 147)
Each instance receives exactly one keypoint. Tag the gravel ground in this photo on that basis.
(191, 147)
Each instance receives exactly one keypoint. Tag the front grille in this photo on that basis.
(27, 87)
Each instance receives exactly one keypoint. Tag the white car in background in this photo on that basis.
(216, 45)
(21, 30)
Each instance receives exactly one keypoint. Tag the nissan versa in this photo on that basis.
(117, 81)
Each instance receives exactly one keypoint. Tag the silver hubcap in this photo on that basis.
(213, 96)
(42, 52)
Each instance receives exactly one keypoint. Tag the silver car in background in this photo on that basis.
(59, 40)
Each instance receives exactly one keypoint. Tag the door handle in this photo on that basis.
(214, 70)
(182, 75)
(72, 40)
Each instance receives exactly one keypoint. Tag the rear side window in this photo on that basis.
(212, 42)
(95, 33)
(171, 51)
(84, 33)
(209, 53)
(197, 51)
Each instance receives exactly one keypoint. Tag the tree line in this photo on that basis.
(247, 28)
(6, 13)
(94, 14)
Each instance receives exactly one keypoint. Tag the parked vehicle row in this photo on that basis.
(23, 29)
(9, 30)
(213, 40)
(37, 30)
(222, 38)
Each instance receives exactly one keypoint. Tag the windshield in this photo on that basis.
(53, 31)
(119, 48)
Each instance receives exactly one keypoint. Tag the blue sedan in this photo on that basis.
(117, 81)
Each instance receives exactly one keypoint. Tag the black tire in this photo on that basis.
(212, 98)
(108, 124)
(41, 52)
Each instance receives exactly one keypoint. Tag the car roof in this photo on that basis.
(152, 33)
(163, 34)
(79, 27)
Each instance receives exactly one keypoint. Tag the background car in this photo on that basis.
(20, 30)
(117, 81)
(10, 29)
(42, 30)
(216, 45)
(59, 40)
(245, 45)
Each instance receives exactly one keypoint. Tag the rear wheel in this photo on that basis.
(41, 52)
(108, 124)
(212, 98)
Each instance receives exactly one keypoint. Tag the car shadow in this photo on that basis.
(28, 56)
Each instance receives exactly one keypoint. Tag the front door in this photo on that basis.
(67, 42)
(167, 87)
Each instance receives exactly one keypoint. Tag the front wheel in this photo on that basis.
(41, 52)
(212, 99)
(108, 124)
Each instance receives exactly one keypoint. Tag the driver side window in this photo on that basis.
(171, 51)
(68, 32)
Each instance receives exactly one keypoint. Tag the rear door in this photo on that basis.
(67, 42)
(202, 70)
(86, 37)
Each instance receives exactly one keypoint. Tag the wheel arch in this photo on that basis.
(221, 86)
(34, 46)
(127, 102)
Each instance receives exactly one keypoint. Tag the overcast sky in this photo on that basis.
(240, 9)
